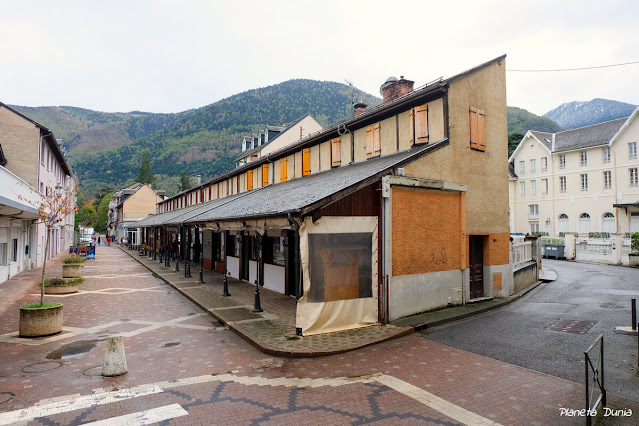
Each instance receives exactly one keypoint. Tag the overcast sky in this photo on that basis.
(169, 56)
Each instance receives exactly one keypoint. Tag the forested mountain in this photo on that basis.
(579, 114)
(520, 121)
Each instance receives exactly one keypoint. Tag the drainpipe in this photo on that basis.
(298, 282)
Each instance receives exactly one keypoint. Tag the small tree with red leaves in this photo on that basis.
(53, 206)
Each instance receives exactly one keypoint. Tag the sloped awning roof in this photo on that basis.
(301, 195)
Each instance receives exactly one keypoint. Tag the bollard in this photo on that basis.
(633, 303)
(226, 284)
(114, 358)
(257, 307)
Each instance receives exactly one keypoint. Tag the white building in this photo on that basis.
(582, 180)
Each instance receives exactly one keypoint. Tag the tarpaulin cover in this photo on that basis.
(339, 266)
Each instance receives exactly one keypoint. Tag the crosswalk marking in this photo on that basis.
(146, 417)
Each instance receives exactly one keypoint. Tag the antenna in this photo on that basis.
(351, 93)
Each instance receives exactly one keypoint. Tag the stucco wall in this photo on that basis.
(308, 125)
(141, 204)
(20, 143)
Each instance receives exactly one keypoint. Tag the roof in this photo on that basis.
(589, 136)
(543, 137)
(295, 195)
(281, 131)
(511, 171)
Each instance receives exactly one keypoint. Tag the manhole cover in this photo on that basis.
(168, 345)
(93, 372)
(41, 367)
(5, 397)
(610, 306)
(571, 326)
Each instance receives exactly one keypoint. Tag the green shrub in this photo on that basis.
(62, 282)
(38, 306)
(73, 260)
(635, 241)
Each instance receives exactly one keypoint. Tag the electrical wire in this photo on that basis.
(579, 69)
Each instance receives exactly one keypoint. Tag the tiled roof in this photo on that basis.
(545, 138)
(589, 136)
(281, 198)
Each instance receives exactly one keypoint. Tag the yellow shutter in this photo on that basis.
(377, 144)
(477, 129)
(369, 141)
(336, 152)
(306, 162)
(283, 169)
(420, 134)
(249, 180)
(264, 174)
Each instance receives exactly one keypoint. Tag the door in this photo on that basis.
(634, 222)
(476, 266)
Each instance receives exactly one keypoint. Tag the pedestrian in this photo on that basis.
(108, 241)
(99, 242)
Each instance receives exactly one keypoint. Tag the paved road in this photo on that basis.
(186, 369)
(519, 333)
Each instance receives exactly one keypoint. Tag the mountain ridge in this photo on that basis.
(577, 114)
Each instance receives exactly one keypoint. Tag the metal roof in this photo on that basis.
(589, 136)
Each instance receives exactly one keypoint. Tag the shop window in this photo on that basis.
(273, 251)
(477, 129)
(340, 266)
(419, 125)
(232, 246)
(283, 169)
(264, 174)
(373, 142)
(335, 152)
(306, 161)
(253, 249)
(249, 180)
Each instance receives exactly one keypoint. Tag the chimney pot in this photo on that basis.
(360, 108)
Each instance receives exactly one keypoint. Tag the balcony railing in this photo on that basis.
(522, 252)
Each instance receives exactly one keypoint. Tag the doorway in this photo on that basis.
(476, 265)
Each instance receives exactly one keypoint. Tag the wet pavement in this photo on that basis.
(184, 367)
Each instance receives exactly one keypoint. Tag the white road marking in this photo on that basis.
(146, 417)
(447, 408)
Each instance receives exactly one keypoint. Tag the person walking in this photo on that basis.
(99, 242)
(108, 241)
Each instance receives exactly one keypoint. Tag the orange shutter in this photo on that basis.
(306, 162)
(477, 129)
(369, 141)
(377, 145)
(420, 133)
(249, 180)
(264, 174)
(283, 169)
(335, 152)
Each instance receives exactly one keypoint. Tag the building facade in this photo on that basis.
(400, 209)
(129, 206)
(579, 181)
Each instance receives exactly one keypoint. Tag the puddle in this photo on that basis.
(74, 349)
(168, 345)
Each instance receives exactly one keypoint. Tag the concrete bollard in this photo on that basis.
(114, 358)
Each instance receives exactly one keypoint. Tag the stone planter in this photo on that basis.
(60, 289)
(71, 270)
(633, 259)
(37, 322)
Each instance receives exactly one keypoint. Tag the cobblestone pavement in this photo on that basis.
(184, 368)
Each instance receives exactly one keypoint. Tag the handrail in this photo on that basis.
(590, 408)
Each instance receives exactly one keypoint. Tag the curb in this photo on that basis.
(270, 350)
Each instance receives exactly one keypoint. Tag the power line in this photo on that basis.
(578, 69)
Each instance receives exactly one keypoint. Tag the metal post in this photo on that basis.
(588, 419)
(603, 383)
(167, 260)
(201, 280)
(257, 306)
(155, 244)
(187, 265)
(633, 303)
(226, 284)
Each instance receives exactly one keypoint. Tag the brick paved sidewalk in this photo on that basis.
(272, 331)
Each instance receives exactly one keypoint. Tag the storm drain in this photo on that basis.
(571, 326)
(5, 397)
(41, 367)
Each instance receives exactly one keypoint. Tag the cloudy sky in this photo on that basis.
(169, 56)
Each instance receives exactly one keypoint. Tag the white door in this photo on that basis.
(584, 223)
(608, 223)
(563, 225)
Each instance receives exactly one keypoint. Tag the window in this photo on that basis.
(533, 166)
(522, 189)
(544, 164)
(544, 187)
(584, 182)
(306, 161)
(583, 158)
(273, 251)
(533, 210)
(562, 161)
(533, 187)
(608, 223)
(584, 223)
(3, 254)
(14, 250)
(534, 227)
(632, 151)
(606, 155)
(634, 178)
(249, 180)
(373, 144)
(419, 122)
(477, 129)
(264, 174)
(335, 153)
(563, 224)
(283, 169)
(607, 178)
(232, 246)
(522, 167)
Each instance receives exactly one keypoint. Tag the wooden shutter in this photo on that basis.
(237, 184)
(264, 174)
(336, 152)
(210, 192)
(369, 141)
(377, 143)
(306, 162)
(420, 130)
(412, 126)
(283, 169)
(477, 129)
(249, 180)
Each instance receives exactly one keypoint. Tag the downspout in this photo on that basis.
(298, 282)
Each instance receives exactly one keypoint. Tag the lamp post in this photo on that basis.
(226, 284)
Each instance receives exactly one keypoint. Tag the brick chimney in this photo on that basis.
(394, 88)
(360, 108)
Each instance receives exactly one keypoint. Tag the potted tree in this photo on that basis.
(633, 256)
(72, 266)
(57, 285)
(40, 319)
